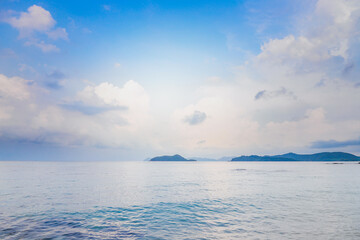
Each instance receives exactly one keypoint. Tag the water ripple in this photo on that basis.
(190, 201)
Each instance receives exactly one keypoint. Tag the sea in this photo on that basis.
(179, 200)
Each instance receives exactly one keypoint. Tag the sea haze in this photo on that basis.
(179, 200)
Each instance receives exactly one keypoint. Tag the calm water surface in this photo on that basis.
(162, 200)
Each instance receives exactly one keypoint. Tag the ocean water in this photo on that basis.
(179, 200)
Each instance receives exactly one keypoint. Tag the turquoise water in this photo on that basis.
(195, 200)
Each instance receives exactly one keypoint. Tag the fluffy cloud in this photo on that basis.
(37, 20)
(131, 95)
(13, 88)
(314, 65)
(97, 121)
(317, 65)
(304, 74)
(330, 31)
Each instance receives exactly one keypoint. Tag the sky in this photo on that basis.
(127, 80)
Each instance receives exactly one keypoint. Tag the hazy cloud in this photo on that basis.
(335, 144)
(45, 47)
(57, 75)
(264, 94)
(24, 67)
(90, 110)
(348, 68)
(86, 31)
(59, 33)
(55, 80)
(53, 85)
(107, 7)
(196, 118)
(7, 53)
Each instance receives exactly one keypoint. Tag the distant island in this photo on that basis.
(175, 158)
(291, 157)
(288, 157)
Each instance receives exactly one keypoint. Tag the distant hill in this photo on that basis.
(324, 156)
(175, 158)
(261, 158)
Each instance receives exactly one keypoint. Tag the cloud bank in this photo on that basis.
(335, 144)
(107, 115)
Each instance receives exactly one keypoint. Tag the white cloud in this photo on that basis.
(291, 48)
(329, 30)
(291, 67)
(14, 88)
(35, 19)
(131, 95)
(45, 47)
(117, 65)
(25, 115)
(33, 23)
(59, 33)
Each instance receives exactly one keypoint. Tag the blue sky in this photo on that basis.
(131, 79)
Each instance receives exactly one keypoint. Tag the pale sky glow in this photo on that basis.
(110, 80)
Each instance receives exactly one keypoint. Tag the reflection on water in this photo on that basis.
(162, 200)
